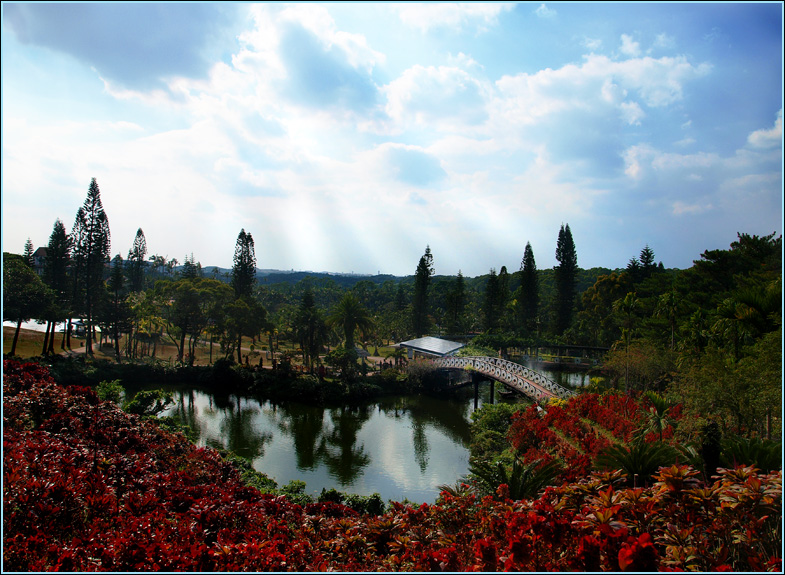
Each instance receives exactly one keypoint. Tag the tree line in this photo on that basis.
(665, 329)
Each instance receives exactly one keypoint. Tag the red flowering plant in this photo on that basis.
(88, 487)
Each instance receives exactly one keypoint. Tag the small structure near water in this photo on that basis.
(430, 347)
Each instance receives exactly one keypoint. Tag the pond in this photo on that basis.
(400, 447)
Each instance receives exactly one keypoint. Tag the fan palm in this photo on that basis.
(350, 316)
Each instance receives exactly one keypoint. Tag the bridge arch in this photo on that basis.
(514, 375)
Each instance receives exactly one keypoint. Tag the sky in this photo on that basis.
(347, 137)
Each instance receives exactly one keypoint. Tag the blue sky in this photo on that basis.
(347, 137)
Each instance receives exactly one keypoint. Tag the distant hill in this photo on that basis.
(269, 276)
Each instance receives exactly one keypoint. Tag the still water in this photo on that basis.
(399, 447)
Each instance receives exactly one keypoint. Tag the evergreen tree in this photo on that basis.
(116, 311)
(58, 254)
(137, 262)
(243, 280)
(91, 247)
(456, 306)
(491, 302)
(648, 266)
(244, 269)
(191, 268)
(422, 281)
(565, 278)
(27, 256)
(530, 290)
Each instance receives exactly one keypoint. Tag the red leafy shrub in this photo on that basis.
(89, 488)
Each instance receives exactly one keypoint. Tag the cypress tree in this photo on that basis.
(530, 290)
(565, 278)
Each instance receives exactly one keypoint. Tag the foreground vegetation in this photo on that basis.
(84, 479)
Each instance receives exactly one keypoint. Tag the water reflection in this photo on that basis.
(400, 447)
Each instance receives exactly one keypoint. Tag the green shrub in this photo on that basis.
(110, 391)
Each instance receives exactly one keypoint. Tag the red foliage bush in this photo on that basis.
(88, 487)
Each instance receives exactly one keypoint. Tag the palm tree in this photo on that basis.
(524, 480)
(657, 417)
(639, 461)
(350, 316)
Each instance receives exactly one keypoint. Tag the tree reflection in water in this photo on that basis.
(337, 448)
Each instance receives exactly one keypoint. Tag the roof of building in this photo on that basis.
(433, 345)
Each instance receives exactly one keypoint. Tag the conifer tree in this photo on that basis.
(565, 278)
(244, 269)
(137, 262)
(58, 255)
(530, 290)
(27, 256)
(456, 305)
(91, 248)
(422, 281)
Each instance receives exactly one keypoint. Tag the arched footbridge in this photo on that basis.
(514, 375)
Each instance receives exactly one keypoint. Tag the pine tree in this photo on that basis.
(58, 255)
(244, 269)
(117, 312)
(491, 302)
(137, 262)
(456, 305)
(191, 268)
(565, 278)
(422, 281)
(27, 256)
(243, 279)
(530, 290)
(92, 244)
(648, 266)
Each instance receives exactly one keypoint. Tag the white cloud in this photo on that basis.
(425, 16)
(767, 138)
(630, 47)
(683, 209)
(592, 44)
(631, 113)
(442, 97)
(663, 41)
(544, 12)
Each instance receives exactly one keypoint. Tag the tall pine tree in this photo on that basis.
(530, 291)
(422, 281)
(92, 244)
(58, 255)
(244, 268)
(136, 262)
(566, 274)
(243, 280)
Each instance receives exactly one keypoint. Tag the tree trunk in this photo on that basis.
(51, 350)
(239, 349)
(46, 338)
(181, 351)
(16, 336)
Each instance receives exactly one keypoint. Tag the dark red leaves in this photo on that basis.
(90, 488)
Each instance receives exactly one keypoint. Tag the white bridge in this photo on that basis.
(514, 375)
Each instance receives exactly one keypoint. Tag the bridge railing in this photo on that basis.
(509, 372)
